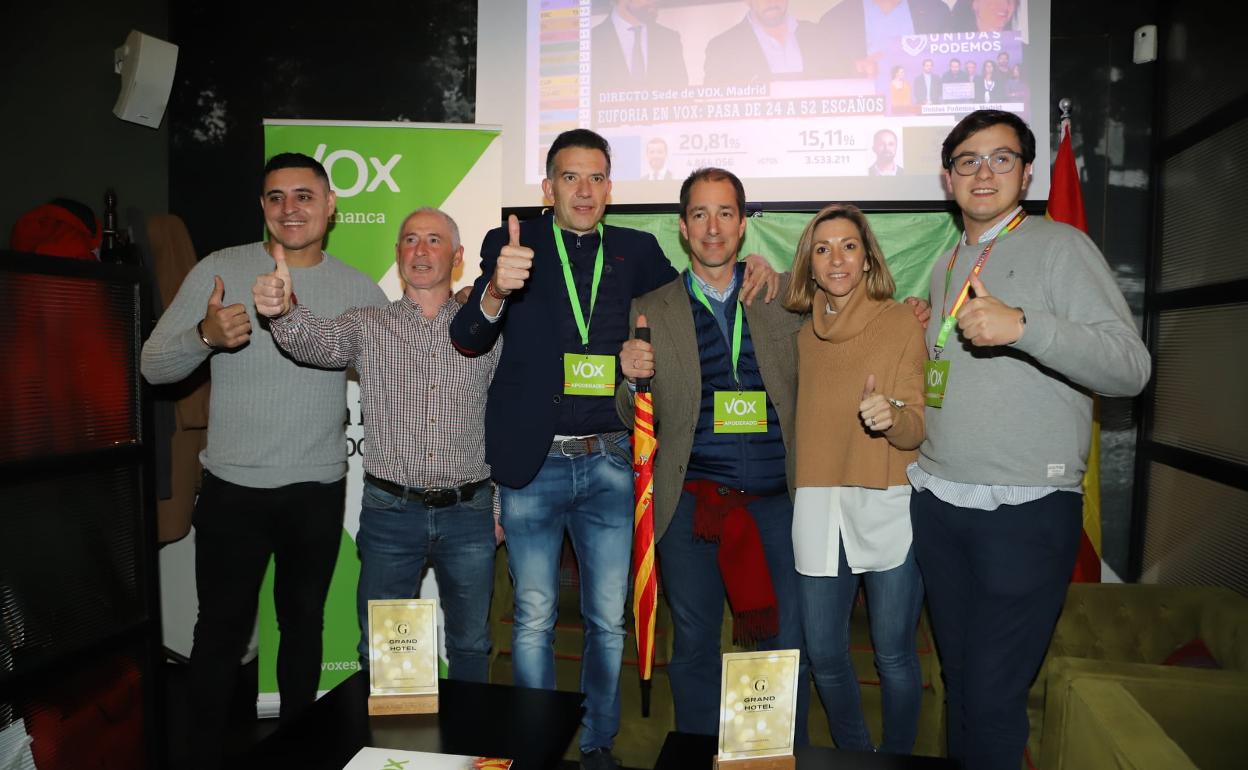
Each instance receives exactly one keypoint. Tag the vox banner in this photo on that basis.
(381, 173)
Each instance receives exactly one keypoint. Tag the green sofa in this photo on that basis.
(1103, 699)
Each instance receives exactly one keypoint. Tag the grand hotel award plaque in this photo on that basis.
(757, 710)
(402, 656)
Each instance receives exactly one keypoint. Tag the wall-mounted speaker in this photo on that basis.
(146, 66)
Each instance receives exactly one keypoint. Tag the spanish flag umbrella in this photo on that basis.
(645, 576)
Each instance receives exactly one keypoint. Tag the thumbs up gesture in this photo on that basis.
(224, 326)
(986, 321)
(874, 410)
(272, 291)
(514, 261)
(637, 356)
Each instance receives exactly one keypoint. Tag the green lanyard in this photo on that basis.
(735, 321)
(951, 320)
(581, 324)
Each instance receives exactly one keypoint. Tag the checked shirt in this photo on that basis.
(423, 403)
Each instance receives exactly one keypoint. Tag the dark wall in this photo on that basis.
(325, 60)
(57, 90)
(1112, 134)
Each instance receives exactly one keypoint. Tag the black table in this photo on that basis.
(686, 751)
(533, 727)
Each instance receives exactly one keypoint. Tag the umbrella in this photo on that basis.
(645, 576)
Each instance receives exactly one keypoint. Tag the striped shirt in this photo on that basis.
(423, 403)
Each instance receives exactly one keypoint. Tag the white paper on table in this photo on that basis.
(370, 758)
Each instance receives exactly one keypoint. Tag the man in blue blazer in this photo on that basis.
(559, 287)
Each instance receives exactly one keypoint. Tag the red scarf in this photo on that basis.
(719, 516)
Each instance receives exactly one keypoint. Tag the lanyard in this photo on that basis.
(735, 321)
(581, 324)
(951, 319)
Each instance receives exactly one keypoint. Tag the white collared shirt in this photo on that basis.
(872, 525)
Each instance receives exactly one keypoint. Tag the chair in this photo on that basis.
(181, 409)
(1103, 699)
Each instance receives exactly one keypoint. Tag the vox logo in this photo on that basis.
(740, 407)
(586, 369)
(369, 175)
(935, 377)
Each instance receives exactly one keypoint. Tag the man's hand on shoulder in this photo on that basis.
(922, 310)
(759, 276)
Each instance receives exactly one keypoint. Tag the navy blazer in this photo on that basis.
(528, 384)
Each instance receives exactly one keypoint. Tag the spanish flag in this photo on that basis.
(1066, 205)
(645, 572)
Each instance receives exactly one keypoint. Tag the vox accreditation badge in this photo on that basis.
(758, 704)
(403, 646)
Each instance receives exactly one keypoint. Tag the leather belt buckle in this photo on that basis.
(576, 447)
(439, 498)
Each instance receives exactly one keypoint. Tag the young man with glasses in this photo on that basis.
(1032, 323)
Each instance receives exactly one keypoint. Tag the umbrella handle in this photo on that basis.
(643, 334)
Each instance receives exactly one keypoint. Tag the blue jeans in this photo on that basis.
(396, 540)
(996, 582)
(689, 571)
(894, 599)
(591, 498)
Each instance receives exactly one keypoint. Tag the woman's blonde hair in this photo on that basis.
(879, 281)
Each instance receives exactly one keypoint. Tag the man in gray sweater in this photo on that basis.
(1033, 324)
(275, 462)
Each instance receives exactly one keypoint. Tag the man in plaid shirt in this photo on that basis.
(427, 494)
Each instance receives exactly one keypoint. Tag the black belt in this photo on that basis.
(434, 497)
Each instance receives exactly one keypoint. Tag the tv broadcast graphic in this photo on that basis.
(788, 93)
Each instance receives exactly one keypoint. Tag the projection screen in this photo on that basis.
(805, 100)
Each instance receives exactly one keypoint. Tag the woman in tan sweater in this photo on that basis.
(859, 422)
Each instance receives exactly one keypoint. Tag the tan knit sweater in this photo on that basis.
(836, 352)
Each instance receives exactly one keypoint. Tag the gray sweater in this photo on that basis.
(1021, 415)
(271, 421)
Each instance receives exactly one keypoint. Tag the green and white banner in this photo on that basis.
(381, 172)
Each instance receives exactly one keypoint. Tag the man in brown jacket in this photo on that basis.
(725, 388)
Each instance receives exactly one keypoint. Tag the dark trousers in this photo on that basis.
(237, 529)
(995, 581)
(695, 591)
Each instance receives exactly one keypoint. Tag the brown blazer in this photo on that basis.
(677, 383)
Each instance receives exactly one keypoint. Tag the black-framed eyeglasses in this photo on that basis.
(999, 162)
